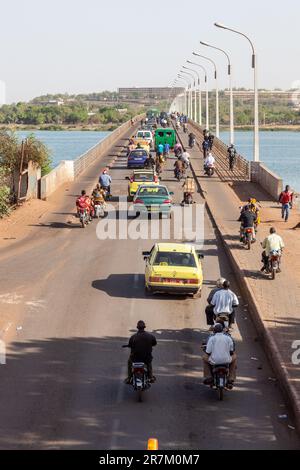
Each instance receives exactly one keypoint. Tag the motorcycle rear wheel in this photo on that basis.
(140, 396)
(273, 274)
(221, 394)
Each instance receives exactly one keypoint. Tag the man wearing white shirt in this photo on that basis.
(210, 160)
(220, 350)
(225, 301)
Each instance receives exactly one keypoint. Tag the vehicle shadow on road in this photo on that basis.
(130, 286)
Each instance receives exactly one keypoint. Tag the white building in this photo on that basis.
(2, 93)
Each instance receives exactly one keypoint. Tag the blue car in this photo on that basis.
(137, 158)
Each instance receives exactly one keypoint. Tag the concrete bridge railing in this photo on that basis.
(69, 170)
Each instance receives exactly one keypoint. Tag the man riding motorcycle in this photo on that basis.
(220, 350)
(84, 202)
(253, 207)
(177, 149)
(150, 162)
(98, 196)
(185, 158)
(188, 191)
(141, 345)
(105, 181)
(272, 243)
(192, 139)
(178, 168)
(248, 218)
(209, 163)
(209, 311)
(225, 302)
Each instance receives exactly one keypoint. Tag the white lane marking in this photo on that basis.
(11, 298)
(121, 389)
(136, 281)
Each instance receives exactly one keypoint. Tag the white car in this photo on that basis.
(145, 135)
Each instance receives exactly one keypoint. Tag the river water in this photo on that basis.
(280, 151)
(66, 145)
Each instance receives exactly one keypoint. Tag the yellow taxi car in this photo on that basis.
(173, 268)
(141, 177)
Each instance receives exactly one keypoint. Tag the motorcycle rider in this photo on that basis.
(85, 202)
(105, 181)
(248, 219)
(220, 350)
(185, 128)
(178, 167)
(98, 196)
(231, 156)
(252, 205)
(177, 149)
(224, 302)
(209, 311)
(188, 189)
(209, 161)
(273, 242)
(141, 345)
(205, 147)
(192, 139)
(185, 158)
(150, 162)
(211, 139)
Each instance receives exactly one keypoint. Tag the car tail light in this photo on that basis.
(155, 179)
(155, 279)
(138, 201)
(192, 281)
(167, 201)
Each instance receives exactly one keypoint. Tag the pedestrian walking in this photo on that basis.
(286, 200)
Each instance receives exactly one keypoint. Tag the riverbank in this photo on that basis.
(60, 127)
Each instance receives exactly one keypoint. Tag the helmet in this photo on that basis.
(141, 325)
(220, 282)
(218, 328)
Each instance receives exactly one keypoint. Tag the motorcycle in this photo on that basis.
(220, 379)
(106, 193)
(192, 142)
(185, 129)
(139, 378)
(220, 376)
(274, 263)
(84, 217)
(209, 170)
(179, 174)
(247, 237)
(99, 210)
(188, 199)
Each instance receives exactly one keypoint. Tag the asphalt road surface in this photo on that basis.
(71, 301)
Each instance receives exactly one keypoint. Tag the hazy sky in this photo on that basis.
(84, 46)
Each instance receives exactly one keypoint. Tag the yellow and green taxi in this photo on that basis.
(173, 268)
(141, 177)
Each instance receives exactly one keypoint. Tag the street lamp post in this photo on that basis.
(256, 108)
(199, 88)
(191, 91)
(230, 88)
(181, 100)
(200, 99)
(217, 92)
(186, 102)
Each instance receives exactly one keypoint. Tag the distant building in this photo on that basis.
(166, 93)
(2, 93)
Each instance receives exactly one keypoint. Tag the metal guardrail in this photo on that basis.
(242, 168)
